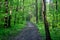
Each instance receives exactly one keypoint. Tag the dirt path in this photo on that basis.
(29, 33)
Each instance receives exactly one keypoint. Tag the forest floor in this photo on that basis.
(28, 33)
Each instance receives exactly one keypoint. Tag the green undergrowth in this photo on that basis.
(41, 30)
(12, 31)
(54, 32)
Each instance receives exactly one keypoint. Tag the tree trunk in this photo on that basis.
(0, 4)
(56, 12)
(23, 9)
(9, 21)
(46, 22)
(36, 11)
(56, 4)
(6, 17)
(41, 11)
(15, 18)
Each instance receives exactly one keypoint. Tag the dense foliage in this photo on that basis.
(18, 12)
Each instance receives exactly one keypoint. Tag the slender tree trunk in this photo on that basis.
(0, 4)
(55, 17)
(15, 15)
(56, 4)
(23, 9)
(56, 11)
(9, 19)
(46, 22)
(41, 11)
(6, 17)
(15, 19)
(36, 11)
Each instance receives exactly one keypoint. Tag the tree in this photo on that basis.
(16, 15)
(40, 11)
(56, 4)
(45, 21)
(0, 4)
(36, 11)
(23, 10)
(56, 12)
(6, 17)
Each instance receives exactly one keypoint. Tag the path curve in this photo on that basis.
(29, 33)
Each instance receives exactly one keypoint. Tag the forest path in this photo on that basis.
(29, 33)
